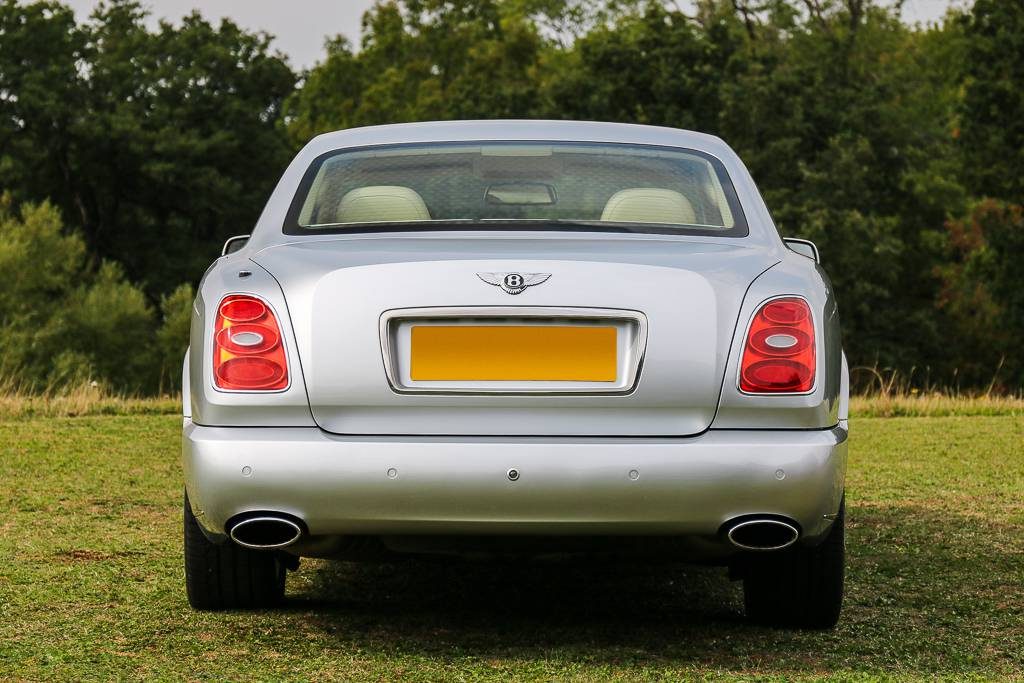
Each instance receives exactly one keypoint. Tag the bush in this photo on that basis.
(63, 322)
(982, 293)
(41, 266)
(172, 337)
(109, 323)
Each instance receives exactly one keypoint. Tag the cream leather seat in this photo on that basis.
(649, 205)
(382, 203)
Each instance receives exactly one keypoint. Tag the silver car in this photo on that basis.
(517, 337)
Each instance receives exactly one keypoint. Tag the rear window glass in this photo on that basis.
(506, 184)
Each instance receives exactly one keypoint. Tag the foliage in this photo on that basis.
(875, 139)
(62, 321)
(423, 60)
(155, 144)
(992, 111)
(109, 326)
(172, 337)
(982, 287)
(846, 117)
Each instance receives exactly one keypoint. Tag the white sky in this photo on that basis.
(301, 26)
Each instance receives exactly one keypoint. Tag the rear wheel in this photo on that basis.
(228, 576)
(799, 587)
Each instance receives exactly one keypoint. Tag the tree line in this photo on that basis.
(128, 153)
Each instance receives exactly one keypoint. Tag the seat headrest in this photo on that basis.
(649, 205)
(382, 203)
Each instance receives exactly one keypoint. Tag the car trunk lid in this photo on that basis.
(583, 335)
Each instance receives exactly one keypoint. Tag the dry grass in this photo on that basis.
(87, 398)
(887, 392)
(914, 404)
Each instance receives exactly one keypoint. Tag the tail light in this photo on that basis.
(778, 356)
(247, 351)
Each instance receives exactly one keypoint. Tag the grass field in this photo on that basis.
(91, 585)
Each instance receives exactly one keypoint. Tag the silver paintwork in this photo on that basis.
(704, 452)
(686, 486)
(689, 292)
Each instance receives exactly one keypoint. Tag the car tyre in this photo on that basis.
(227, 576)
(800, 587)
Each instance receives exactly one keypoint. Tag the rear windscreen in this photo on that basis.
(477, 185)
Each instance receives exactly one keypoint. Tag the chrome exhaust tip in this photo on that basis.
(265, 532)
(763, 534)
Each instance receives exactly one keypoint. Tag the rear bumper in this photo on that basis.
(460, 485)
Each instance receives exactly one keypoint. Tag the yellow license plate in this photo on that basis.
(510, 353)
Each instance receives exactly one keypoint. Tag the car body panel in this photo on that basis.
(689, 307)
(352, 447)
(819, 408)
(460, 485)
(236, 274)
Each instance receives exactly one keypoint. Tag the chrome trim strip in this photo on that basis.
(770, 522)
(390, 318)
(266, 518)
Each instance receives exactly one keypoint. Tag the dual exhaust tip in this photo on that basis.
(270, 532)
(764, 533)
(266, 532)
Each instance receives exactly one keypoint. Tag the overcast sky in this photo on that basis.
(300, 26)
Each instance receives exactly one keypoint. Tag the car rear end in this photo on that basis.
(382, 366)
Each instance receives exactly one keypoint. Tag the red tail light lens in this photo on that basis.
(247, 350)
(778, 356)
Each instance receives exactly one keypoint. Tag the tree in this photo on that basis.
(156, 145)
(982, 293)
(844, 117)
(992, 114)
(173, 336)
(61, 321)
(428, 60)
(652, 66)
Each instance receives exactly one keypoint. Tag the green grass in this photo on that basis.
(91, 583)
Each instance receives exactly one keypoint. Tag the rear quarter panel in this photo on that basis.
(795, 275)
(211, 406)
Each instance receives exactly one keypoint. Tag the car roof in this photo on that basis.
(268, 229)
(517, 130)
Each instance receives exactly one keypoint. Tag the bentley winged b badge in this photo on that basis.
(514, 283)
